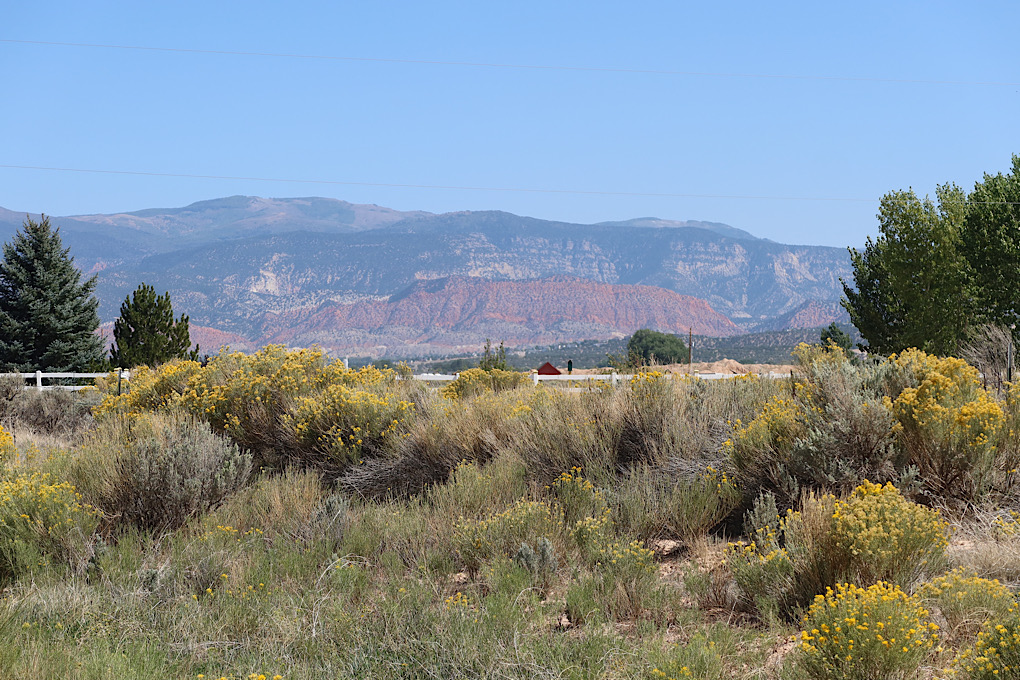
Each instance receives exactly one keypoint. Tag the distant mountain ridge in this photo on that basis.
(238, 265)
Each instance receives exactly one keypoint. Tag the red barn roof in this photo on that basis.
(548, 369)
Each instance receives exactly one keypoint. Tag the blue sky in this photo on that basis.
(798, 160)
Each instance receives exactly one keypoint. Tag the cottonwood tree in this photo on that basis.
(991, 244)
(48, 315)
(647, 346)
(912, 285)
(146, 332)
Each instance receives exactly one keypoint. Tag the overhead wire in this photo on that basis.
(433, 62)
(453, 187)
(502, 65)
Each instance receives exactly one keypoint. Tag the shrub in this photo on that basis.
(995, 654)
(539, 562)
(62, 413)
(789, 561)
(684, 506)
(948, 425)
(156, 471)
(7, 449)
(473, 490)
(858, 633)
(280, 405)
(503, 533)
(41, 517)
(889, 537)
(833, 432)
(697, 657)
(340, 426)
(149, 389)
(475, 381)
(620, 588)
(967, 601)
(874, 535)
(760, 450)
(576, 497)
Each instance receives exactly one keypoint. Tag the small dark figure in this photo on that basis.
(570, 366)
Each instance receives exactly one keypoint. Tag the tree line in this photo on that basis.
(49, 317)
(940, 269)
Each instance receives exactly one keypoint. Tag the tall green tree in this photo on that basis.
(991, 244)
(146, 332)
(48, 315)
(647, 346)
(912, 285)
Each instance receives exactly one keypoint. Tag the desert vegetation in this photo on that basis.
(276, 514)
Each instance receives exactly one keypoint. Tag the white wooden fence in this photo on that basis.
(39, 376)
(612, 378)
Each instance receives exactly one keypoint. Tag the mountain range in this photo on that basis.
(370, 279)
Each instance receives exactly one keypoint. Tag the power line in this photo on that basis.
(452, 187)
(533, 67)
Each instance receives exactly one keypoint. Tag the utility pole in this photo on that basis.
(690, 351)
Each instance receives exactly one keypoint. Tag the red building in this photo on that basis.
(549, 369)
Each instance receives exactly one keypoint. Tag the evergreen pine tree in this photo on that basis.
(146, 333)
(48, 317)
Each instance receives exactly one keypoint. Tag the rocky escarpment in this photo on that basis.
(460, 312)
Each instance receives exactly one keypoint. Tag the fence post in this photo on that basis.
(615, 379)
(534, 379)
(38, 381)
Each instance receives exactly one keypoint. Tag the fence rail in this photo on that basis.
(39, 376)
(612, 378)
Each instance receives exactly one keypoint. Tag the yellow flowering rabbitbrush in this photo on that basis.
(44, 515)
(887, 536)
(995, 654)
(855, 633)
(277, 402)
(949, 425)
(967, 601)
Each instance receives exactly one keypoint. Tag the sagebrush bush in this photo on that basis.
(831, 432)
(855, 633)
(157, 471)
(683, 505)
(42, 518)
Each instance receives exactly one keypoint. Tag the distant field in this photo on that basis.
(771, 347)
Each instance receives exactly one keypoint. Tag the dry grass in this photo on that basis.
(975, 546)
